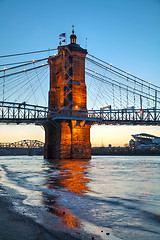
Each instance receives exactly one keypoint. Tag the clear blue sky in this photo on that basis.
(123, 32)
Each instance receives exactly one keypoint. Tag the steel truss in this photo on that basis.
(23, 144)
(25, 113)
(130, 116)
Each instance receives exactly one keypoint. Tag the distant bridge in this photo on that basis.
(23, 144)
(23, 147)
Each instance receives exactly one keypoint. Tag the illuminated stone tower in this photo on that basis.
(68, 136)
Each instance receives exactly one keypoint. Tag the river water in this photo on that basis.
(114, 197)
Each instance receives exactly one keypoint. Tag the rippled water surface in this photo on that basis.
(119, 195)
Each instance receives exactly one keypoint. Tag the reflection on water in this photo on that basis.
(65, 214)
(70, 175)
(119, 195)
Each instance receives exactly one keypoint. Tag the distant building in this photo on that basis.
(144, 140)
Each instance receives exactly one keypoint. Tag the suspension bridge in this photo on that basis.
(114, 96)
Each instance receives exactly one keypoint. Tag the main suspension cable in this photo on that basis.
(110, 80)
(25, 64)
(122, 71)
(104, 80)
(25, 70)
(18, 54)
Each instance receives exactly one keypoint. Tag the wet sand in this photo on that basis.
(14, 226)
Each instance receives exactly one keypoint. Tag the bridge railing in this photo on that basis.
(26, 113)
(119, 116)
(129, 115)
(21, 112)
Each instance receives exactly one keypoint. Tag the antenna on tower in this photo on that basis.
(73, 29)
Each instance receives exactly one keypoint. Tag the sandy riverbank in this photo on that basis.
(14, 226)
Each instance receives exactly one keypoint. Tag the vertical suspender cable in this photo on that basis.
(155, 107)
(127, 92)
(120, 91)
(113, 94)
(4, 85)
(148, 95)
(134, 97)
(40, 86)
(141, 102)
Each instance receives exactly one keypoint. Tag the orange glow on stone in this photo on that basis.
(72, 139)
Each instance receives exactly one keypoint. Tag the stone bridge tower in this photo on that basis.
(67, 135)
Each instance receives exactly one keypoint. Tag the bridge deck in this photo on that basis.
(22, 113)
